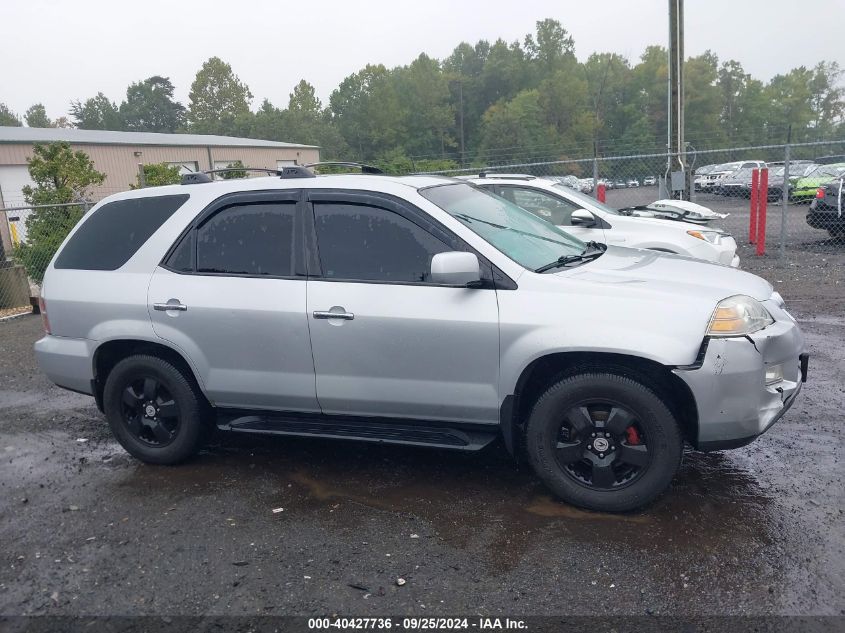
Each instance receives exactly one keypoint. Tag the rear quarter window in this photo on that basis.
(114, 232)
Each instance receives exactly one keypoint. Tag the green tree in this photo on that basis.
(8, 118)
(157, 175)
(229, 175)
(36, 116)
(367, 110)
(61, 176)
(96, 113)
(150, 107)
(217, 99)
(424, 105)
(516, 128)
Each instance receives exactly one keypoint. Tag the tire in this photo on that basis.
(175, 431)
(564, 454)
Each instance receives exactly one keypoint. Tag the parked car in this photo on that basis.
(711, 180)
(633, 182)
(567, 181)
(413, 310)
(590, 220)
(738, 184)
(649, 181)
(586, 185)
(806, 187)
(827, 210)
(700, 173)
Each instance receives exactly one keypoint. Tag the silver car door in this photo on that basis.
(231, 296)
(399, 346)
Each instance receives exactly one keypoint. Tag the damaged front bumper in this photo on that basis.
(734, 399)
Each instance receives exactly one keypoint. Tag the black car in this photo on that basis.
(827, 210)
(738, 184)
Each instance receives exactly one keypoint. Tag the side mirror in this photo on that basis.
(455, 268)
(582, 217)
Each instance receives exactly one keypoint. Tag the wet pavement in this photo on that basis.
(88, 530)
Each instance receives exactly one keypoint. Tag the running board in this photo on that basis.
(433, 434)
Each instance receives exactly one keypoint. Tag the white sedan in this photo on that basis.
(588, 219)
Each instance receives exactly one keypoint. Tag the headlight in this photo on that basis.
(737, 316)
(714, 237)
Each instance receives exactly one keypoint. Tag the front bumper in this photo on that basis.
(733, 402)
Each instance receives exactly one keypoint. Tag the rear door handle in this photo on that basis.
(326, 314)
(163, 307)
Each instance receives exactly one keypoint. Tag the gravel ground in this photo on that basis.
(88, 530)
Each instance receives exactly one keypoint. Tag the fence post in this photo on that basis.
(142, 180)
(784, 208)
(763, 199)
(752, 223)
(595, 178)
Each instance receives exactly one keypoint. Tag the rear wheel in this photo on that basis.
(154, 410)
(603, 441)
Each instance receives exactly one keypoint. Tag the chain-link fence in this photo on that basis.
(803, 194)
(804, 198)
(29, 237)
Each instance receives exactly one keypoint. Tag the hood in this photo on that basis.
(673, 277)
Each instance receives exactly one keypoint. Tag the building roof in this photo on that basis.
(107, 137)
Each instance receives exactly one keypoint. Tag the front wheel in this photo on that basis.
(603, 441)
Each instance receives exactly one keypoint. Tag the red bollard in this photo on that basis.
(763, 199)
(601, 190)
(752, 225)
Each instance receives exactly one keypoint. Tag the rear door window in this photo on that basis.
(247, 239)
(114, 232)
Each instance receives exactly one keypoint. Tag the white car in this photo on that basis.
(588, 219)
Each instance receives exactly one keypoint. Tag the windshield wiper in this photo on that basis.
(592, 251)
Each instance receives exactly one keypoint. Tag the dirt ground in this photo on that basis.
(85, 529)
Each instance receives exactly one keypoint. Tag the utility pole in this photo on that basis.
(678, 179)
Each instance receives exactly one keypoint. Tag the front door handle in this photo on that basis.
(328, 314)
(163, 307)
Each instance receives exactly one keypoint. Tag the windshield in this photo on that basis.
(526, 239)
(832, 171)
(584, 199)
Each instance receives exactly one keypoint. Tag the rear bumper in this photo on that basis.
(824, 216)
(733, 401)
(66, 362)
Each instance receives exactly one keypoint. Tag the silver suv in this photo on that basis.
(411, 310)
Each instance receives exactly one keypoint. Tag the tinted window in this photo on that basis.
(182, 258)
(541, 204)
(372, 244)
(115, 232)
(253, 239)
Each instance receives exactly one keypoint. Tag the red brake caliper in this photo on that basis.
(632, 435)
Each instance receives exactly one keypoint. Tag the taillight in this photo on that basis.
(820, 193)
(42, 307)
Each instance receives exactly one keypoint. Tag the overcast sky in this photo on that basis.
(54, 51)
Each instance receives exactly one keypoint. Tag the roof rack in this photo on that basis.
(288, 171)
(365, 169)
(487, 174)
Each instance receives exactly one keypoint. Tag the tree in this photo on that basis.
(150, 107)
(36, 116)
(157, 175)
(61, 176)
(516, 128)
(96, 113)
(238, 173)
(217, 98)
(7, 117)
